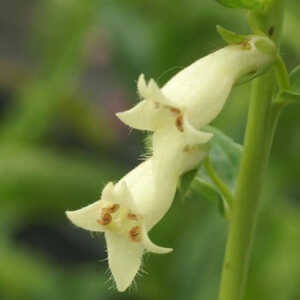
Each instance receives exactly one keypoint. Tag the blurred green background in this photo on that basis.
(66, 67)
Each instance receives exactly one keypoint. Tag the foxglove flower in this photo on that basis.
(193, 98)
(126, 212)
(175, 114)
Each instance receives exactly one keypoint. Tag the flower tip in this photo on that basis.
(121, 287)
(73, 217)
(69, 214)
(151, 247)
(119, 115)
(141, 85)
(125, 117)
(107, 192)
(124, 259)
(166, 250)
(86, 217)
(138, 117)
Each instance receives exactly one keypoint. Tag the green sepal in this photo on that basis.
(266, 46)
(231, 37)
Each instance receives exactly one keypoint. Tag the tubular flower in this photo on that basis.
(176, 113)
(126, 212)
(193, 98)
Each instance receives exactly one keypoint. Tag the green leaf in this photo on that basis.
(225, 155)
(266, 46)
(209, 191)
(231, 37)
(248, 4)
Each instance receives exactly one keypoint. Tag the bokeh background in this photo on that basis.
(66, 67)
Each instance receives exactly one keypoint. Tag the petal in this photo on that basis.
(194, 136)
(87, 217)
(142, 116)
(107, 192)
(124, 258)
(151, 91)
(151, 247)
(123, 195)
(142, 86)
(156, 94)
(154, 110)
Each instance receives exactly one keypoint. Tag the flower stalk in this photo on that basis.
(260, 130)
(224, 189)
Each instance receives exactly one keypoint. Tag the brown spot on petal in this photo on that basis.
(135, 234)
(179, 123)
(105, 219)
(132, 217)
(174, 110)
(111, 209)
(114, 208)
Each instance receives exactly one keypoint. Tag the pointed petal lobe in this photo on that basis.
(142, 86)
(151, 247)
(107, 192)
(123, 195)
(141, 116)
(194, 136)
(87, 217)
(124, 258)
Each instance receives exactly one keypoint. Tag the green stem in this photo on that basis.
(262, 119)
(223, 188)
(282, 74)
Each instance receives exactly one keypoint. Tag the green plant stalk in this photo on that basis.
(260, 130)
(244, 210)
(223, 188)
